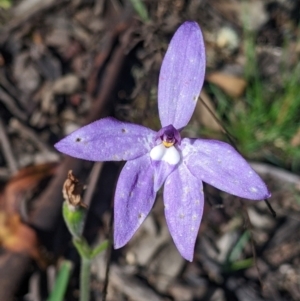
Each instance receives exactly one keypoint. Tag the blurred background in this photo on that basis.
(65, 63)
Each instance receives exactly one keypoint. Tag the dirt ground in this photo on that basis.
(65, 63)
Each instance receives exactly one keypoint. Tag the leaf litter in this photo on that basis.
(64, 64)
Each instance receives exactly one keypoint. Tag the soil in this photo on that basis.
(64, 64)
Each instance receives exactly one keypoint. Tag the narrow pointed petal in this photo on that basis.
(220, 165)
(184, 200)
(181, 76)
(108, 140)
(134, 198)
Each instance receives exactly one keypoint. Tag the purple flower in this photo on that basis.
(157, 158)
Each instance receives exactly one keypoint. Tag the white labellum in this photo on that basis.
(167, 154)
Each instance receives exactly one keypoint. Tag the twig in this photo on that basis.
(109, 253)
(25, 11)
(249, 226)
(278, 173)
(229, 136)
(10, 104)
(30, 134)
(132, 287)
(94, 175)
(11, 89)
(273, 212)
(7, 150)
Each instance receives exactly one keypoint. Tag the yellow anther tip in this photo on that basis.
(168, 144)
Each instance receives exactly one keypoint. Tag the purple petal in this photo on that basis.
(162, 171)
(184, 200)
(108, 140)
(181, 76)
(134, 198)
(220, 165)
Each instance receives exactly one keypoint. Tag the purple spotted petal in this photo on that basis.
(181, 76)
(134, 198)
(108, 140)
(220, 165)
(183, 199)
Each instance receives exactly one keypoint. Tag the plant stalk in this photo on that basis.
(85, 275)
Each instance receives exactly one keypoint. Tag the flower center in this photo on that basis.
(166, 150)
(169, 136)
(168, 139)
(168, 144)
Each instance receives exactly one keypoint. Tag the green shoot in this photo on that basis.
(61, 282)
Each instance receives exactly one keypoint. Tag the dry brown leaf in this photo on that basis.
(72, 191)
(14, 235)
(25, 180)
(232, 85)
(17, 237)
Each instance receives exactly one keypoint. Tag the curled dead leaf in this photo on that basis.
(72, 191)
(25, 180)
(18, 237)
(15, 235)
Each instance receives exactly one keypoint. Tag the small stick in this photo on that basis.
(249, 225)
(109, 253)
(94, 175)
(273, 212)
(11, 105)
(229, 136)
(30, 134)
(7, 150)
